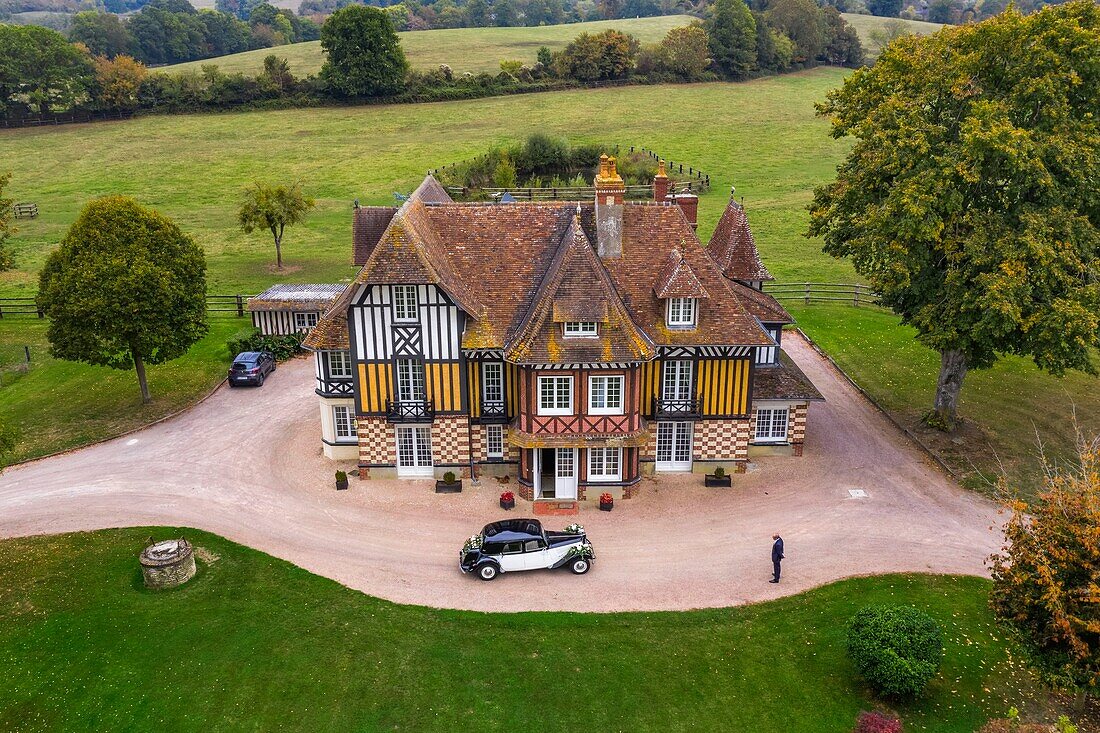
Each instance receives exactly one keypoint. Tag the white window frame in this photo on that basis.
(677, 379)
(767, 430)
(600, 460)
(682, 312)
(305, 320)
(580, 329)
(339, 364)
(561, 395)
(406, 309)
(410, 381)
(607, 408)
(494, 441)
(344, 424)
(492, 376)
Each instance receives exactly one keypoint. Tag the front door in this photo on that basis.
(565, 474)
(414, 451)
(674, 446)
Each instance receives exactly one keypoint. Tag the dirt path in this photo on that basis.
(247, 464)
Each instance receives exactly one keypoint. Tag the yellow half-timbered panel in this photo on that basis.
(650, 375)
(444, 386)
(722, 386)
(374, 382)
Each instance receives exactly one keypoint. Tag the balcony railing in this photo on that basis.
(493, 411)
(411, 411)
(335, 388)
(684, 409)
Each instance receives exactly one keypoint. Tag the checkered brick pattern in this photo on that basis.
(377, 444)
(450, 440)
(721, 440)
(477, 437)
(797, 426)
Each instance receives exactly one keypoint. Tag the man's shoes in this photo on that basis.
(773, 580)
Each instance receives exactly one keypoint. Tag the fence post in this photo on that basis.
(240, 307)
(807, 293)
(27, 353)
(857, 295)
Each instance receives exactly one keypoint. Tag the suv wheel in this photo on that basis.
(487, 571)
(580, 566)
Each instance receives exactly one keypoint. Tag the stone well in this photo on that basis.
(168, 563)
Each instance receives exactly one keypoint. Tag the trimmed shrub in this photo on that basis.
(877, 722)
(449, 477)
(897, 649)
(250, 339)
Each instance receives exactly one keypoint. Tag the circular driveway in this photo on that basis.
(247, 464)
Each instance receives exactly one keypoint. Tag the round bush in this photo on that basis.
(897, 649)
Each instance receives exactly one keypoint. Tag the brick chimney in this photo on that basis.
(660, 183)
(689, 203)
(610, 192)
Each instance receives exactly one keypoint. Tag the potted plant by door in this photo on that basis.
(341, 480)
(718, 478)
(449, 485)
(507, 500)
(607, 502)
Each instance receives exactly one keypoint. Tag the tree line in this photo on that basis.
(42, 73)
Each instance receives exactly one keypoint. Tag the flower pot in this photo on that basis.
(606, 507)
(712, 480)
(341, 484)
(445, 487)
(509, 504)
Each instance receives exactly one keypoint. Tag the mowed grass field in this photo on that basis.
(254, 643)
(463, 49)
(482, 49)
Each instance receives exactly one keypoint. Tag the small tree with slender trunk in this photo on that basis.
(273, 208)
(126, 288)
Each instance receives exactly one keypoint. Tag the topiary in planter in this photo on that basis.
(449, 477)
(341, 480)
(896, 649)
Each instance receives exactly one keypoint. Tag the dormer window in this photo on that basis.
(682, 312)
(580, 328)
(404, 303)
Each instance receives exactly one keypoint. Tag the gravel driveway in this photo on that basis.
(247, 464)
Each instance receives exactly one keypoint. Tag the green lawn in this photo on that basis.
(59, 404)
(1006, 409)
(463, 49)
(254, 643)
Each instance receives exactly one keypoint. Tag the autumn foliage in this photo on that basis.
(1046, 582)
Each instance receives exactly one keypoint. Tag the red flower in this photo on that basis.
(606, 498)
(507, 496)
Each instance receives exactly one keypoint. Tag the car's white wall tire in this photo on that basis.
(580, 566)
(487, 572)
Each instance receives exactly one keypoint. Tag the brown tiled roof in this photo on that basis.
(295, 297)
(676, 280)
(367, 226)
(733, 247)
(783, 381)
(761, 305)
(576, 282)
(330, 333)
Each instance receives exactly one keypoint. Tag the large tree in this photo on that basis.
(731, 31)
(103, 33)
(969, 199)
(41, 66)
(126, 288)
(363, 55)
(803, 22)
(597, 56)
(1046, 582)
(273, 208)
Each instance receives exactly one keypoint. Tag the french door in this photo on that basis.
(414, 451)
(674, 446)
(555, 471)
(410, 380)
(676, 382)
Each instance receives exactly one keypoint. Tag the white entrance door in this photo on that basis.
(565, 474)
(414, 451)
(674, 446)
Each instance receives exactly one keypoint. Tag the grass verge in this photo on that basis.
(255, 643)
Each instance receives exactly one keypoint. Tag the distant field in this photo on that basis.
(865, 24)
(463, 49)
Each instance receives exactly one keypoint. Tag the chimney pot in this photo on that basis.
(660, 183)
(610, 192)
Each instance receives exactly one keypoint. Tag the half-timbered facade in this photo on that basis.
(286, 309)
(575, 346)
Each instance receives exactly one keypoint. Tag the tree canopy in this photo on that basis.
(969, 199)
(41, 65)
(273, 208)
(126, 288)
(363, 54)
(598, 56)
(732, 34)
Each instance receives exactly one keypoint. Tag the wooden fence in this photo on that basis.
(66, 118)
(851, 293)
(235, 305)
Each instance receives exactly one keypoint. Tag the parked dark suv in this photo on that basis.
(251, 367)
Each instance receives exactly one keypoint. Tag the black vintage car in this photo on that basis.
(251, 367)
(522, 544)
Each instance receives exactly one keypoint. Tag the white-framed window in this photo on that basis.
(492, 381)
(344, 419)
(676, 382)
(580, 328)
(410, 380)
(494, 441)
(771, 424)
(404, 303)
(605, 395)
(681, 312)
(305, 320)
(555, 395)
(339, 363)
(768, 354)
(605, 464)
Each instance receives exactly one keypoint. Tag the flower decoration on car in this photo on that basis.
(575, 528)
(474, 543)
(581, 550)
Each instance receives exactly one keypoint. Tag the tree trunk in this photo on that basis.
(278, 252)
(948, 387)
(139, 365)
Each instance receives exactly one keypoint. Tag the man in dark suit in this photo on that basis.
(777, 556)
